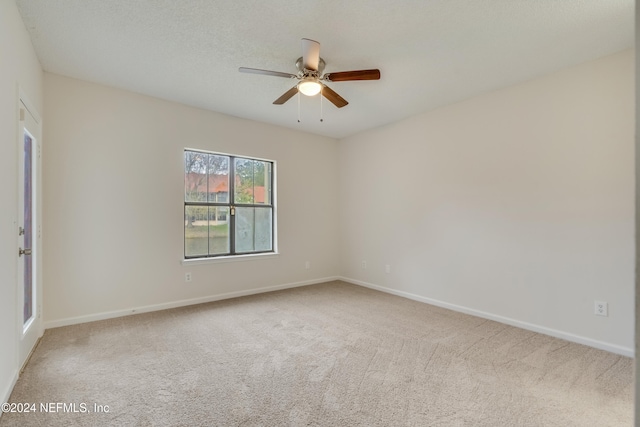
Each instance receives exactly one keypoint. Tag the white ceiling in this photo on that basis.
(430, 52)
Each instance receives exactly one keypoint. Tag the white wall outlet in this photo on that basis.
(601, 308)
(387, 268)
(187, 277)
(364, 265)
(307, 264)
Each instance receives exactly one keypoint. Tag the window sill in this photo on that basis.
(233, 258)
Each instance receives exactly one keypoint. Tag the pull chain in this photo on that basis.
(321, 96)
(298, 106)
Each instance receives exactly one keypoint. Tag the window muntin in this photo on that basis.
(228, 208)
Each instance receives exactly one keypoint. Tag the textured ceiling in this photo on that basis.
(430, 52)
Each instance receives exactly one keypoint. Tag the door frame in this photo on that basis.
(29, 120)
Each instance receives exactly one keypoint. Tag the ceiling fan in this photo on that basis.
(310, 67)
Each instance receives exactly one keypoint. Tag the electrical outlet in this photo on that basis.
(187, 277)
(307, 264)
(601, 308)
(364, 265)
(387, 269)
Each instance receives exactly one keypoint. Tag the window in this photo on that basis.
(228, 205)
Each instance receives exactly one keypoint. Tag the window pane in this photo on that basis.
(263, 228)
(253, 182)
(218, 230)
(28, 229)
(253, 229)
(244, 229)
(266, 184)
(195, 176)
(244, 181)
(196, 233)
(218, 185)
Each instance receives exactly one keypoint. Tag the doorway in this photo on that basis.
(29, 231)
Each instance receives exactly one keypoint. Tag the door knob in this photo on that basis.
(24, 251)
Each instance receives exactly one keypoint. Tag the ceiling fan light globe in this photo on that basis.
(309, 87)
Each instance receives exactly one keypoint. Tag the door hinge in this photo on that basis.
(20, 231)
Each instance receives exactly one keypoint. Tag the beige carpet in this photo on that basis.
(333, 354)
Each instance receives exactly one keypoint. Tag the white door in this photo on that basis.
(29, 232)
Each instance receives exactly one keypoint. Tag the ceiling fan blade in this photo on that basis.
(332, 96)
(265, 72)
(343, 76)
(310, 54)
(286, 96)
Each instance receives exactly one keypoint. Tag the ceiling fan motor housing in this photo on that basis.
(300, 67)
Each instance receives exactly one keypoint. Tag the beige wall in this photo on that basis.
(113, 193)
(19, 67)
(517, 205)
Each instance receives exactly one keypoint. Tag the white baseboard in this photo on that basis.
(613, 348)
(6, 393)
(181, 303)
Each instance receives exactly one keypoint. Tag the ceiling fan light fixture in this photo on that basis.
(309, 87)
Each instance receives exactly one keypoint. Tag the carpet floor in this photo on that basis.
(332, 354)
